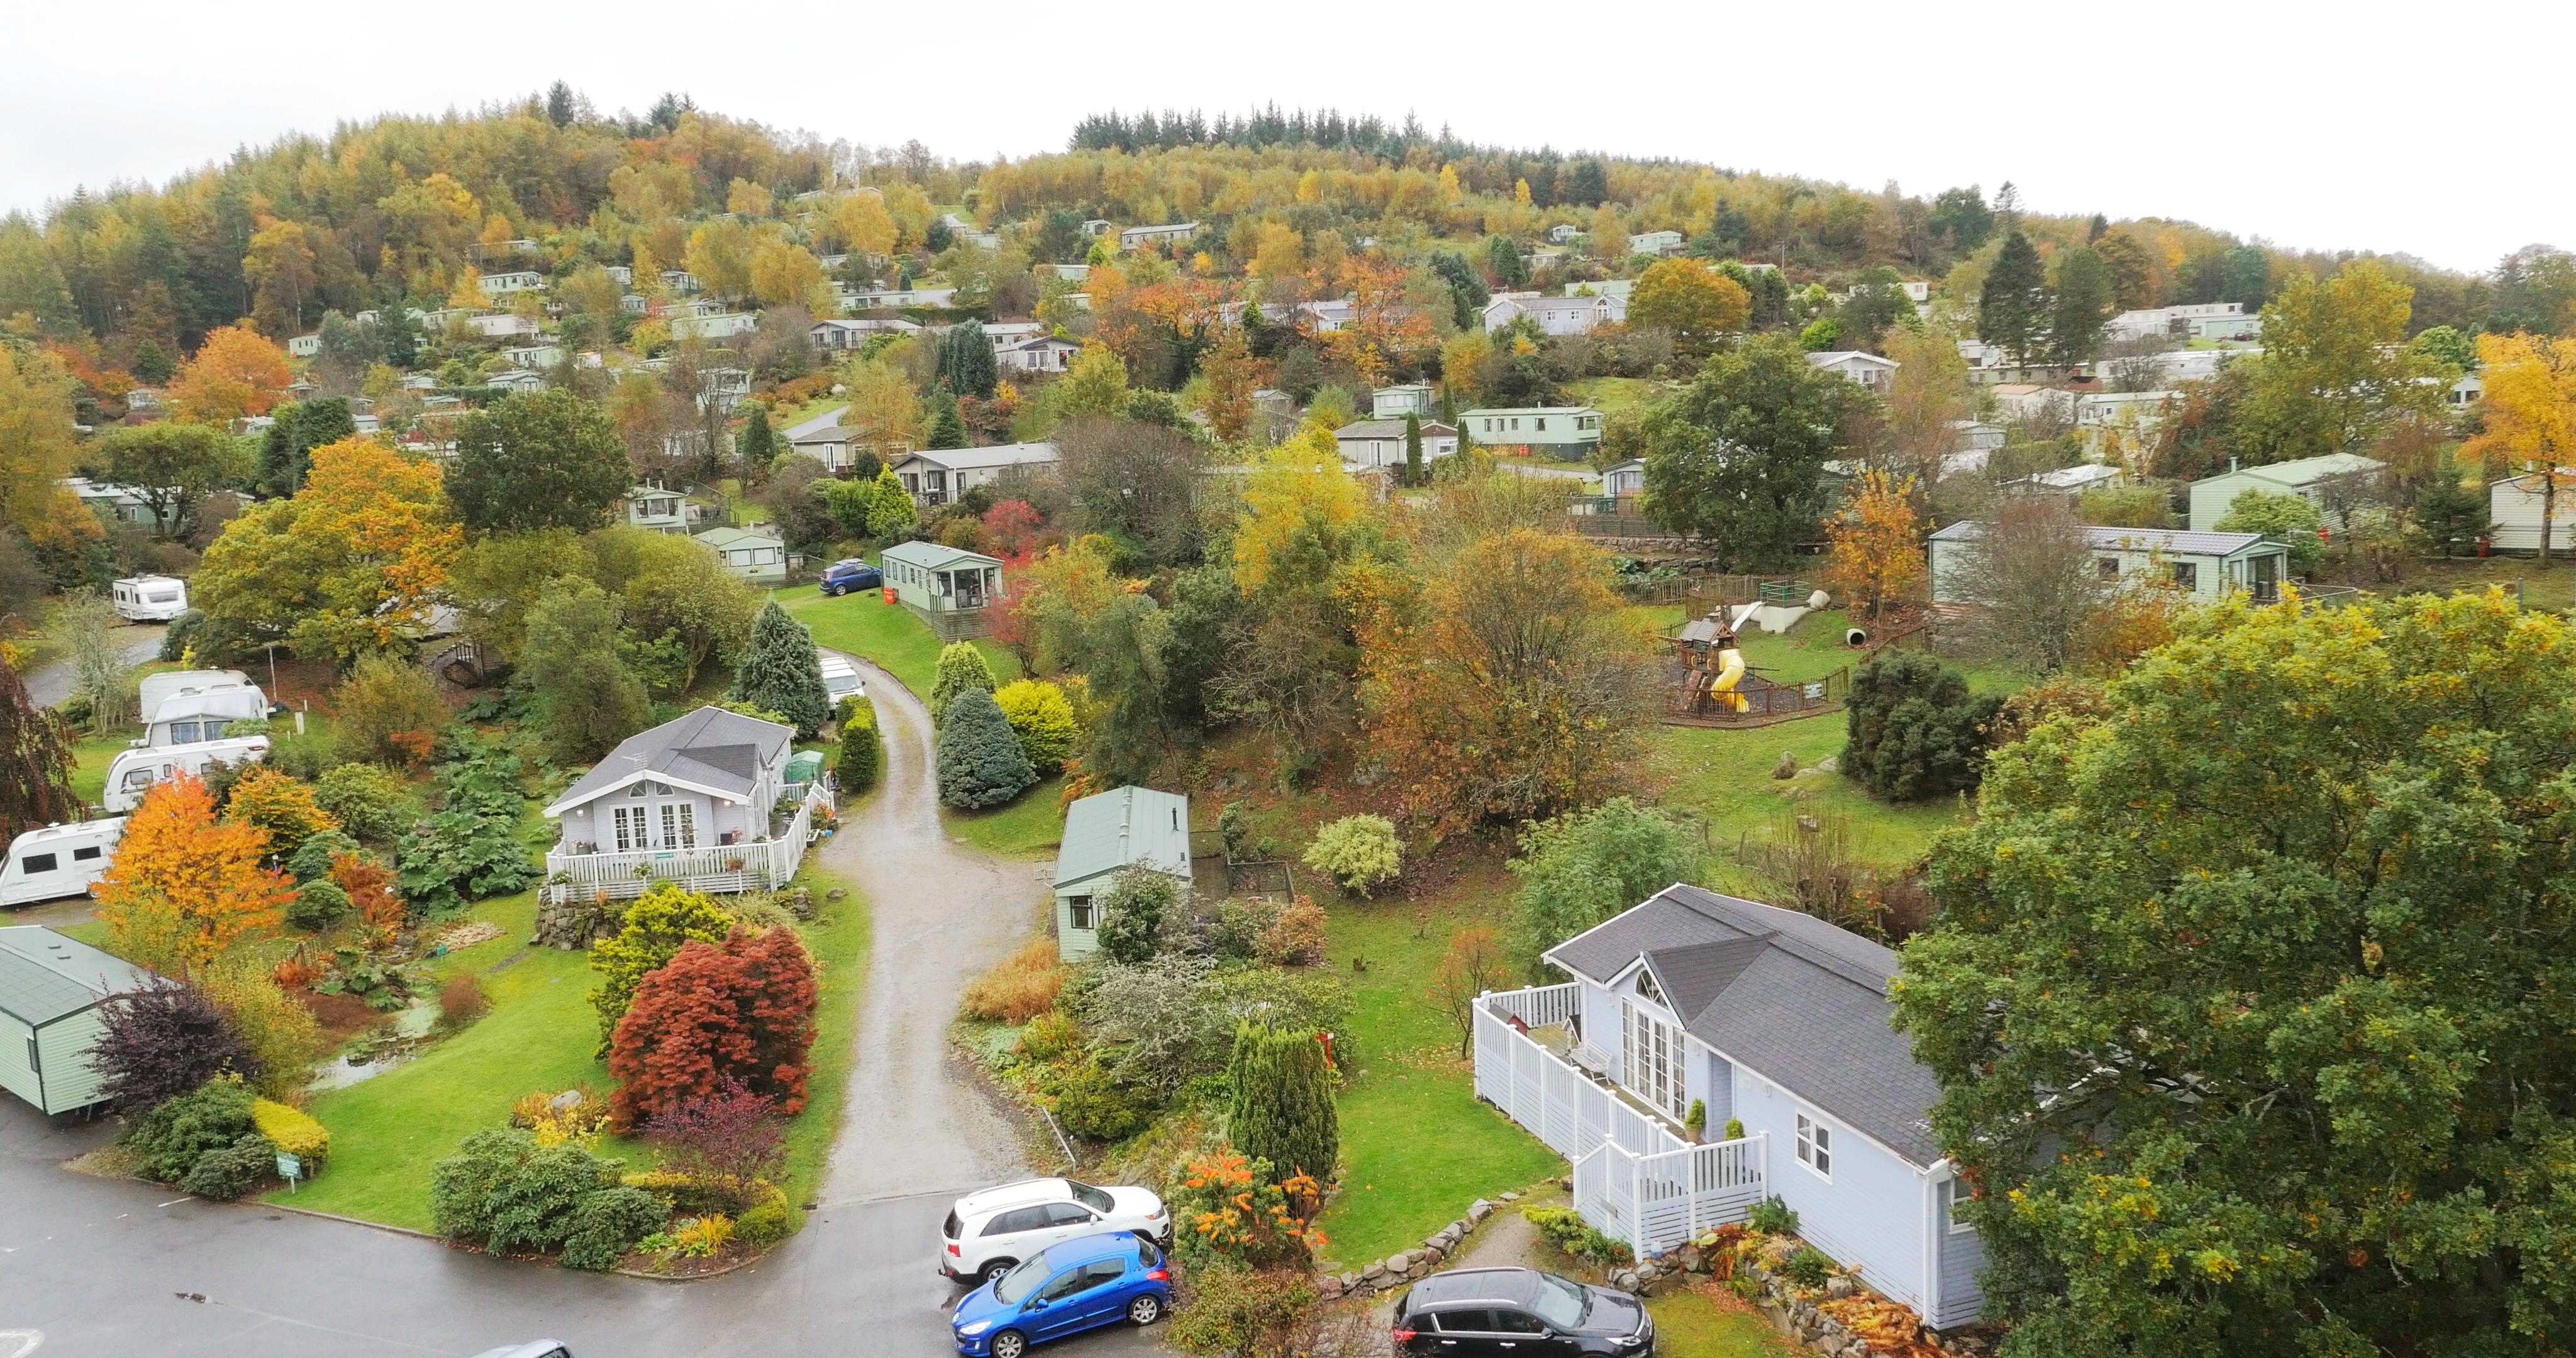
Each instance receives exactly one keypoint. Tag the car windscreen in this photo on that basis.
(1097, 1200)
(1560, 1303)
(1019, 1282)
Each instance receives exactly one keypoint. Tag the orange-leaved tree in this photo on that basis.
(2530, 411)
(184, 887)
(742, 1011)
(370, 885)
(236, 373)
(1877, 543)
(352, 564)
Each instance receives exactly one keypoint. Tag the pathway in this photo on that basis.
(50, 684)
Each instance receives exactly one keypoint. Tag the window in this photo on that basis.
(1101, 1271)
(1080, 907)
(1646, 986)
(86, 855)
(1017, 1220)
(2186, 575)
(1464, 1322)
(1816, 1146)
(679, 825)
(630, 829)
(138, 779)
(1065, 1285)
(2109, 567)
(183, 733)
(1955, 1193)
(39, 862)
(1654, 1062)
(1516, 1322)
(1068, 1214)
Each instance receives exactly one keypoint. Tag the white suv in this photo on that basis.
(987, 1233)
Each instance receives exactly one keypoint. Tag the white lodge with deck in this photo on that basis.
(1770, 1017)
(696, 801)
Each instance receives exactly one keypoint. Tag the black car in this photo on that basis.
(841, 577)
(1519, 1313)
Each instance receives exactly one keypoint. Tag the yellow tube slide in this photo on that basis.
(1730, 668)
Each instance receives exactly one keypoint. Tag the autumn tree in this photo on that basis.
(1877, 549)
(1231, 380)
(741, 1012)
(539, 459)
(1691, 299)
(282, 806)
(2530, 412)
(36, 450)
(353, 563)
(2031, 573)
(183, 887)
(2335, 369)
(1926, 400)
(661, 922)
(1096, 384)
(1474, 963)
(235, 374)
(36, 762)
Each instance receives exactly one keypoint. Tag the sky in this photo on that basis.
(2350, 126)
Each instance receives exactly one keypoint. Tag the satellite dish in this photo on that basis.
(1853, 636)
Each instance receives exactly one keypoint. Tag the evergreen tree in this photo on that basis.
(1503, 257)
(2084, 305)
(1736, 457)
(2012, 309)
(2451, 515)
(152, 363)
(398, 334)
(586, 700)
(966, 362)
(559, 104)
(1412, 449)
(756, 445)
(539, 459)
(1770, 299)
(1914, 731)
(947, 428)
(285, 454)
(980, 760)
(1589, 185)
(961, 667)
(779, 672)
(862, 750)
(1283, 1103)
(893, 510)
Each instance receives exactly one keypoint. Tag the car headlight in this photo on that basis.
(975, 1329)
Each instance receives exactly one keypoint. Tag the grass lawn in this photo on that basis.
(1611, 394)
(1028, 828)
(889, 634)
(838, 938)
(1692, 1324)
(90, 759)
(1417, 1146)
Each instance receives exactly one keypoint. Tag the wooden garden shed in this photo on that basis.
(51, 987)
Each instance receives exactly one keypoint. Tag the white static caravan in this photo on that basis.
(157, 689)
(50, 991)
(2516, 505)
(150, 598)
(58, 860)
(135, 771)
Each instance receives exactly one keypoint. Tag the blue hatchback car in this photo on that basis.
(1069, 1287)
(845, 576)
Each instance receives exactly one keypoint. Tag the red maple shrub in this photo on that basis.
(741, 1011)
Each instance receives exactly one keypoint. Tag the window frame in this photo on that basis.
(1951, 1197)
(1815, 1145)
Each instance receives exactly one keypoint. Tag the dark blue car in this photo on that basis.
(841, 577)
(1069, 1287)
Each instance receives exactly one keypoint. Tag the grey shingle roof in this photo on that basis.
(1797, 1000)
(45, 976)
(710, 747)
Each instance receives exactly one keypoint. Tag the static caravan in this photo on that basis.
(135, 771)
(200, 715)
(1105, 834)
(150, 598)
(2517, 504)
(58, 860)
(50, 991)
(157, 689)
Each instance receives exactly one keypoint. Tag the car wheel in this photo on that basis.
(993, 1271)
(1145, 1310)
(1010, 1344)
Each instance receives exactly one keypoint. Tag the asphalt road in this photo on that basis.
(93, 1268)
(50, 684)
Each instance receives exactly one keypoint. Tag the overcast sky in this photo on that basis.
(2342, 126)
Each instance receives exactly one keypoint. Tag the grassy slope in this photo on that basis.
(838, 936)
(1416, 1146)
(1031, 827)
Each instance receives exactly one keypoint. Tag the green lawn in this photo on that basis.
(1691, 1325)
(838, 938)
(1028, 828)
(1726, 776)
(1416, 1146)
(889, 634)
(90, 759)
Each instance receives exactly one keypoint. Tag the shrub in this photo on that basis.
(231, 1173)
(980, 761)
(743, 1010)
(470, 849)
(1566, 1229)
(1233, 1310)
(318, 905)
(1229, 1208)
(1020, 987)
(387, 712)
(503, 1191)
(576, 1115)
(311, 860)
(373, 804)
(606, 1224)
(1808, 1269)
(1174, 1018)
(1136, 912)
(1357, 851)
(660, 922)
(1240, 923)
(168, 1140)
(1283, 1101)
(1771, 1216)
(282, 805)
(1050, 1037)
(1581, 868)
(1734, 1130)
(164, 1040)
(1099, 1105)
(1295, 938)
(1042, 718)
(765, 1224)
(282, 1035)
(1915, 732)
(461, 1001)
(692, 1195)
(730, 1134)
(2292, 518)
(961, 667)
(862, 748)
(291, 1130)
(1697, 1119)
(370, 885)
(704, 1237)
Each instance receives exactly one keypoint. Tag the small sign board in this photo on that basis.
(290, 1168)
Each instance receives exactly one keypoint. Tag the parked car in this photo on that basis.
(987, 1234)
(841, 577)
(1518, 1312)
(841, 679)
(1069, 1287)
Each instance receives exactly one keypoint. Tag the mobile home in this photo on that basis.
(135, 771)
(50, 991)
(58, 860)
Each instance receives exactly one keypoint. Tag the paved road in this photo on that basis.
(98, 1267)
(50, 684)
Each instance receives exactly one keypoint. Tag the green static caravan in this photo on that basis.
(50, 991)
(1104, 834)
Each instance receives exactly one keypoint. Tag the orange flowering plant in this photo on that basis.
(1231, 1208)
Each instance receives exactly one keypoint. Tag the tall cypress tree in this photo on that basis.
(2012, 309)
(1283, 1108)
(966, 360)
(1412, 449)
(779, 673)
(2083, 305)
(947, 428)
(757, 444)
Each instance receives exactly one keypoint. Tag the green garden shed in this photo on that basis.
(51, 987)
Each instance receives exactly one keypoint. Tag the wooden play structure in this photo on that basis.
(1713, 686)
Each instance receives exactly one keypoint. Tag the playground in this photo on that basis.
(1710, 680)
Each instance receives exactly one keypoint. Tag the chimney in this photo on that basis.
(2231, 464)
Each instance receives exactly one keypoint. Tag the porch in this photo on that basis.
(720, 869)
(1635, 1180)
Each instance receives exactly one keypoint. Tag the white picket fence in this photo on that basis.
(723, 869)
(1633, 1180)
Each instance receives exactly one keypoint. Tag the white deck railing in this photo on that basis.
(1633, 1180)
(722, 869)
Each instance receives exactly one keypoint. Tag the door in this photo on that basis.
(1459, 1334)
(1104, 1293)
(1056, 1309)
(1069, 1221)
(1522, 1335)
(2267, 579)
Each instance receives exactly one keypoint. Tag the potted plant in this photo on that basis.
(1697, 1122)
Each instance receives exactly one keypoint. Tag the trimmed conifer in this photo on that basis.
(862, 753)
(1412, 449)
(780, 672)
(961, 667)
(1283, 1109)
(980, 761)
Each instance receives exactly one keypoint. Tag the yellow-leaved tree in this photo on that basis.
(184, 887)
(1877, 546)
(2530, 415)
(1299, 486)
(352, 564)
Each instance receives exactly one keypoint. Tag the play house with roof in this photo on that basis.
(1105, 834)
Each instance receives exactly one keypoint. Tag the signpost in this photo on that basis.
(290, 1168)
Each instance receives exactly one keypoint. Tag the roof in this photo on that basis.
(1794, 999)
(1515, 1285)
(2306, 470)
(2180, 542)
(1121, 827)
(721, 538)
(46, 976)
(935, 556)
(1481, 411)
(1387, 429)
(711, 749)
(829, 419)
(1026, 1192)
(998, 455)
(2085, 474)
(1833, 356)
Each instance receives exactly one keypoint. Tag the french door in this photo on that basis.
(1654, 1062)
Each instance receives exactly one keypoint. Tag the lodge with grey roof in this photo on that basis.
(1106, 834)
(695, 800)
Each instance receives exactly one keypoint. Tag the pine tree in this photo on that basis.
(966, 361)
(778, 671)
(152, 363)
(980, 760)
(1412, 449)
(947, 427)
(757, 444)
(961, 667)
(1283, 1108)
(2013, 307)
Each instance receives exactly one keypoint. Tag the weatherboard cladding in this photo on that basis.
(1790, 998)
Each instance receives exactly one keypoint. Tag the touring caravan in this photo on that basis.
(186, 707)
(135, 771)
(58, 860)
(150, 598)
(159, 688)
